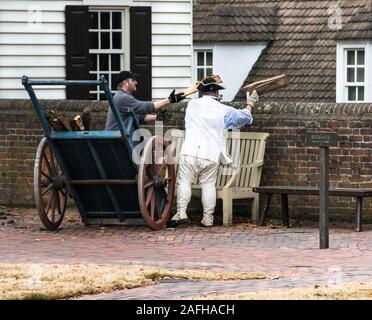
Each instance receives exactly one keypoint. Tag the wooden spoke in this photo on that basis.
(51, 171)
(46, 176)
(58, 204)
(54, 202)
(149, 195)
(50, 201)
(157, 204)
(149, 184)
(47, 189)
(153, 205)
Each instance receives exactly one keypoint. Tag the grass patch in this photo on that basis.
(347, 291)
(57, 281)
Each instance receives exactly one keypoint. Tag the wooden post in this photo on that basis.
(324, 193)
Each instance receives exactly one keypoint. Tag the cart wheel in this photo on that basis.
(156, 183)
(49, 187)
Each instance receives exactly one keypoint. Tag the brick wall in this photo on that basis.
(288, 161)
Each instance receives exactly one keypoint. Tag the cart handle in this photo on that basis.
(26, 80)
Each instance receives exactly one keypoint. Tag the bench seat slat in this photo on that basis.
(342, 192)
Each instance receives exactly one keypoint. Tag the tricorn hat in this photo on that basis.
(210, 84)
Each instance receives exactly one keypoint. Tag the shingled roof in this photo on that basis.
(302, 44)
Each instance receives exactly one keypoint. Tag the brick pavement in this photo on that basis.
(291, 252)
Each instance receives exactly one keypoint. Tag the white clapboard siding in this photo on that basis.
(171, 50)
(174, 18)
(171, 72)
(32, 61)
(42, 94)
(32, 50)
(38, 49)
(33, 72)
(171, 61)
(43, 5)
(30, 17)
(169, 82)
(24, 27)
(162, 28)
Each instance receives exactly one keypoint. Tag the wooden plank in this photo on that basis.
(22, 16)
(300, 190)
(161, 17)
(32, 50)
(165, 71)
(16, 72)
(25, 28)
(174, 39)
(184, 29)
(171, 51)
(32, 61)
(34, 39)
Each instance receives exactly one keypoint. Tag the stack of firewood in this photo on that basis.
(61, 122)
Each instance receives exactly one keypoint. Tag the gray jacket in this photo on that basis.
(125, 101)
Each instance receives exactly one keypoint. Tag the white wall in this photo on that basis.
(232, 62)
(38, 50)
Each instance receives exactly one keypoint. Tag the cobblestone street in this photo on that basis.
(291, 253)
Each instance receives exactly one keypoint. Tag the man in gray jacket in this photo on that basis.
(126, 86)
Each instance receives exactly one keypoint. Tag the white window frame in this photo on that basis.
(125, 40)
(197, 49)
(341, 70)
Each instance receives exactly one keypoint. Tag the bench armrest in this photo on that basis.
(254, 164)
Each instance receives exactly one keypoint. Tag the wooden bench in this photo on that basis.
(284, 191)
(242, 177)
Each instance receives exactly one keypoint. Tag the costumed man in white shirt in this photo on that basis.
(204, 147)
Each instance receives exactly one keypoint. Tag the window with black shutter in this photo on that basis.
(105, 49)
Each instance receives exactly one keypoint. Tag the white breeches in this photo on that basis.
(189, 168)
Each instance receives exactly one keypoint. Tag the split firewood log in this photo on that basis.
(64, 121)
(77, 123)
(87, 121)
(267, 85)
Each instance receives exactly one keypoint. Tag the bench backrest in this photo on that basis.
(249, 147)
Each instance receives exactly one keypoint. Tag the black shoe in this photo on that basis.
(176, 223)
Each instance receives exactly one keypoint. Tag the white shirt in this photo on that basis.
(205, 122)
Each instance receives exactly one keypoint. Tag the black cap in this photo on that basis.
(209, 84)
(124, 75)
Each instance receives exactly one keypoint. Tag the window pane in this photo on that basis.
(200, 59)
(93, 40)
(93, 20)
(103, 62)
(360, 57)
(113, 77)
(352, 93)
(200, 74)
(116, 40)
(360, 93)
(115, 62)
(350, 75)
(350, 57)
(105, 40)
(102, 96)
(92, 62)
(360, 74)
(116, 20)
(105, 20)
(209, 59)
(209, 71)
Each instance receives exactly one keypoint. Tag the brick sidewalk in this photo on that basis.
(292, 253)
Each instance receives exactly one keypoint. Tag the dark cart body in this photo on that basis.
(96, 169)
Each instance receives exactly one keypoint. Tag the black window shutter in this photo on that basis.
(77, 50)
(140, 49)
